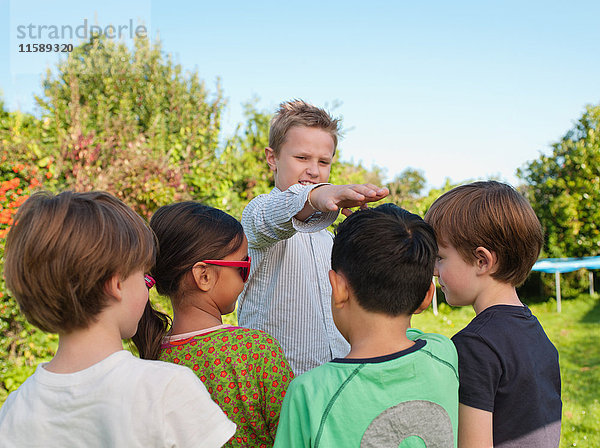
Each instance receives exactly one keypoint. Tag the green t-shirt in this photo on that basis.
(406, 399)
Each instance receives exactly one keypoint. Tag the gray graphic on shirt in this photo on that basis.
(420, 418)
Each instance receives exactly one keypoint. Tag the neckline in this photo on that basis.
(191, 334)
(419, 344)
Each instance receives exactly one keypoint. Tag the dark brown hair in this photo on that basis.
(299, 113)
(387, 255)
(187, 232)
(493, 215)
(61, 251)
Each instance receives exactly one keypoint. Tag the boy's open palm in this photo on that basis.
(334, 197)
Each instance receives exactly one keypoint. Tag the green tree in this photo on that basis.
(132, 123)
(564, 189)
(406, 188)
(244, 161)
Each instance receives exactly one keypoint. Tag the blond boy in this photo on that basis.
(288, 292)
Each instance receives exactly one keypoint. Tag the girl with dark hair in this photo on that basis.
(202, 266)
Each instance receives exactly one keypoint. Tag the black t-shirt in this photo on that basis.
(508, 366)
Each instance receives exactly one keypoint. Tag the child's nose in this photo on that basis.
(313, 169)
(435, 271)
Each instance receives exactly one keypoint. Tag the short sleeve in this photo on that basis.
(480, 371)
(191, 417)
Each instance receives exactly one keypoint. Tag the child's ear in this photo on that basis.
(270, 155)
(204, 277)
(427, 300)
(339, 289)
(113, 288)
(485, 260)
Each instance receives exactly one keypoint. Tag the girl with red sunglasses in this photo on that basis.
(202, 265)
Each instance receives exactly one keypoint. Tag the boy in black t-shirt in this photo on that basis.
(489, 238)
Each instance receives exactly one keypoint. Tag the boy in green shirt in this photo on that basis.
(397, 386)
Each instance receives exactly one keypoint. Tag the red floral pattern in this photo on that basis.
(246, 374)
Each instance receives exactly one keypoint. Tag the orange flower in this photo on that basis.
(5, 216)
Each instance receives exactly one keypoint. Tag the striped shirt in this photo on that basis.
(288, 294)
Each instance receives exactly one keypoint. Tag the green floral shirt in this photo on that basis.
(245, 372)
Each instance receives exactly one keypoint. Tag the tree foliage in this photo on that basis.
(132, 123)
(406, 188)
(564, 189)
(243, 157)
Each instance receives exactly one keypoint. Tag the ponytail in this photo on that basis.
(152, 328)
(187, 232)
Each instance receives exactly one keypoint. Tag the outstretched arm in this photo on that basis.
(270, 218)
(331, 198)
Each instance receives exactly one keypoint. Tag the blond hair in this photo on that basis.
(300, 113)
(63, 249)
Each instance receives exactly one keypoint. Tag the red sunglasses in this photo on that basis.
(243, 265)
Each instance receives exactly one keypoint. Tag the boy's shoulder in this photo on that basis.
(106, 395)
(436, 338)
(437, 347)
(325, 378)
(274, 198)
(432, 339)
(117, 373)
(503, 331)
(270, 218)
(501, 320)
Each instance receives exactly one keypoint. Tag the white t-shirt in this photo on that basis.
(122, 401)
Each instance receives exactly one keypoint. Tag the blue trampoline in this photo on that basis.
(558, 265)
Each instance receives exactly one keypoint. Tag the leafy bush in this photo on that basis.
(132, 123)
(23, 345)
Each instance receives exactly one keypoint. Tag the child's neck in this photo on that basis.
(496, 293)
(83, 348)
(375, 335)
(189, 318)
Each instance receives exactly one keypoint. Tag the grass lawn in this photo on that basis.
(576, 334)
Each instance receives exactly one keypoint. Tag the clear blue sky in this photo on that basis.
(458, 89)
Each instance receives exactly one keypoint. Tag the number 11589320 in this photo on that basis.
(45, 48)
